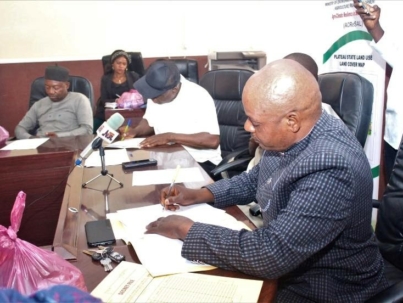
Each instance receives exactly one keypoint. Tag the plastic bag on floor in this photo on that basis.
(28, 268)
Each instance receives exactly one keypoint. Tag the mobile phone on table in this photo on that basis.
(99, 232)
(139, 163)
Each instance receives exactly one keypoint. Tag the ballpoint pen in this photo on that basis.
(172, 183)
(127, 128)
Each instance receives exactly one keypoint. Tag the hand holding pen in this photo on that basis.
(171, 191)
(126, 129)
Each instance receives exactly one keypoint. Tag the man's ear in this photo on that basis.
(67, 85)
(293, 122)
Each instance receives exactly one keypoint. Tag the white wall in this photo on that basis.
(33, 31)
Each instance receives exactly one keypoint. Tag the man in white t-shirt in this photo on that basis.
(178, 111)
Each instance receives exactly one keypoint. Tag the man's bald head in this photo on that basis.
(285, 94)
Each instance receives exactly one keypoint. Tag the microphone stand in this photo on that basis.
(104, 171)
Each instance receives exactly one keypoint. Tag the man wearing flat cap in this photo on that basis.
(178, 111)
(60, 114)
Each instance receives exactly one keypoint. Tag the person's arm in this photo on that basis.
(84, 117)
(199, 140)
(141, 130)
(371, 20)
(27, 123)
(303, 228)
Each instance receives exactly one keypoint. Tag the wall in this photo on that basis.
(76, 34)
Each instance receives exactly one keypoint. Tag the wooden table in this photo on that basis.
(90, 202)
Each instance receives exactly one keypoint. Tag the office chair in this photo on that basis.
(188, 69)
(77, 84)
(389, 232)
(225, 87)
(136, 64)
(351, 96)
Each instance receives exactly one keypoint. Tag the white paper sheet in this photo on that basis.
(127, 143)
(25, 144)
(153, 249)
(164, 176)
(112, 157)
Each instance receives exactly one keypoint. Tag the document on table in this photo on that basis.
(112, 157)
(164, 176)
(127, 143)
(130, 282)
(25, 144)
(149, 246)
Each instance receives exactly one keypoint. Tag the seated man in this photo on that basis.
(180, 112)
(60, 114)
(314, 186)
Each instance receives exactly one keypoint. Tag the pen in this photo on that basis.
(117, 95)
(172, 183)
(127, 128)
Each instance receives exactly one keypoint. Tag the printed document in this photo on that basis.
(130, 282)
(25, 144)
(148, 246)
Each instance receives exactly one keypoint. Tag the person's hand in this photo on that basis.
(129, 134)
(369, 14)
(181, 195)
(50, 134)
(161, 139)
(174, 227)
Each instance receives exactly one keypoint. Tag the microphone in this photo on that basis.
(106, 132)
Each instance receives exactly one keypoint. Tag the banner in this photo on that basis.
(349, 50)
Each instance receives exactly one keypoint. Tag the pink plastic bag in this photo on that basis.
(4, 135)
(28, 268)
(130, 99)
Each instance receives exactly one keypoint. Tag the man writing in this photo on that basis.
(314, 186)
(60, 114)
(179, 111)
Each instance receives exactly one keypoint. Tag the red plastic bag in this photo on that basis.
(28, 268)
(130, 99)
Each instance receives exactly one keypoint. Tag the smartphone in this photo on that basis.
(364, 6)
(99, 232)
(139, 163)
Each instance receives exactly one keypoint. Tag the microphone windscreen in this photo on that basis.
(115, 121)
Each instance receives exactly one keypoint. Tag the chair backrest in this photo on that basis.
(188, 69)
(136, 64)
(226, 87)
(351, 96)
(77, 84)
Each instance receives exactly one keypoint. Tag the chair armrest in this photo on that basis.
(233, 156)
(375, 203)
(224, 167)
(391, 294)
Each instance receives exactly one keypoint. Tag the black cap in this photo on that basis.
(57, 73)
(160, 77)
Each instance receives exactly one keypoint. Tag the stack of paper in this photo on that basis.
(153, 249)
(25, 144)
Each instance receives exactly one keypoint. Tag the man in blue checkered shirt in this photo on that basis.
(314, 186)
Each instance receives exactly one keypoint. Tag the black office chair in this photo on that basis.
(351, 96)
(77, 84)
(136, 64)
(226, 87)
(188, 69)
(389, 232)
